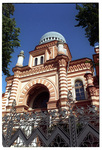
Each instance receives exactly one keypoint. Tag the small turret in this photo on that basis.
(96, 49)
(61, 49)
(20, 59)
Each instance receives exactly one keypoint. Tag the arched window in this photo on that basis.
(41, 60)
(36, 61)
(79, 90)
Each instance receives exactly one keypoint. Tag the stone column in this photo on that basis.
(63, 91)
(15, 83)
(91, 89)
(14, 89)
(7, 93)
(89, 78)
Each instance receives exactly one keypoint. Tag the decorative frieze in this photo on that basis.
(79, 67)
(37, 70)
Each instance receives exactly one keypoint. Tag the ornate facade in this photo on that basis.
(44, 83)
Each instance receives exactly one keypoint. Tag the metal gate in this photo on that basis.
(68, 127)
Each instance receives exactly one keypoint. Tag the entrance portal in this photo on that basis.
(38, 97)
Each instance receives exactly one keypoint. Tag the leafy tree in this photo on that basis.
(10, 35)
(88, 18)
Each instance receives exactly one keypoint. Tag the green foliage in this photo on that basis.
(88, 18)
(9, 36)
(92, 63)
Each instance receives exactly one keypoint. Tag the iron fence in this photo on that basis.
(67, 127)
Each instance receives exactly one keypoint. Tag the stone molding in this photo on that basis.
(50, 86)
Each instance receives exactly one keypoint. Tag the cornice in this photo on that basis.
(9, 78)
(38, 51)
(17, 68)
(78, 61)
(62, 56)
(46, 45)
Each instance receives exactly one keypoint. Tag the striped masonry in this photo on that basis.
(5, 99)
(13, 90)
(45, 82)
(62, 82)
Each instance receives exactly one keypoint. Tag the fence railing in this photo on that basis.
(67, 127)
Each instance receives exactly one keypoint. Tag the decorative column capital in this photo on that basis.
(91, 90)
(88, 75)
(16, 73)
(89, 78)
(62, 63)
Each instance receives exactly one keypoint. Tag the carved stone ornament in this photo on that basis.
(62, 62)
(92, 91)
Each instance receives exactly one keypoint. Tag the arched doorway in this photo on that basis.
(38, 97)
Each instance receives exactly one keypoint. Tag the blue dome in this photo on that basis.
(51, 36)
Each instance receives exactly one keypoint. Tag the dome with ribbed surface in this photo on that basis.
(51, 36)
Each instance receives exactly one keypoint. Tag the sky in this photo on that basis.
(36, 19)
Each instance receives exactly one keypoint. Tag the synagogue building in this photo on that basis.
(50, 74)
